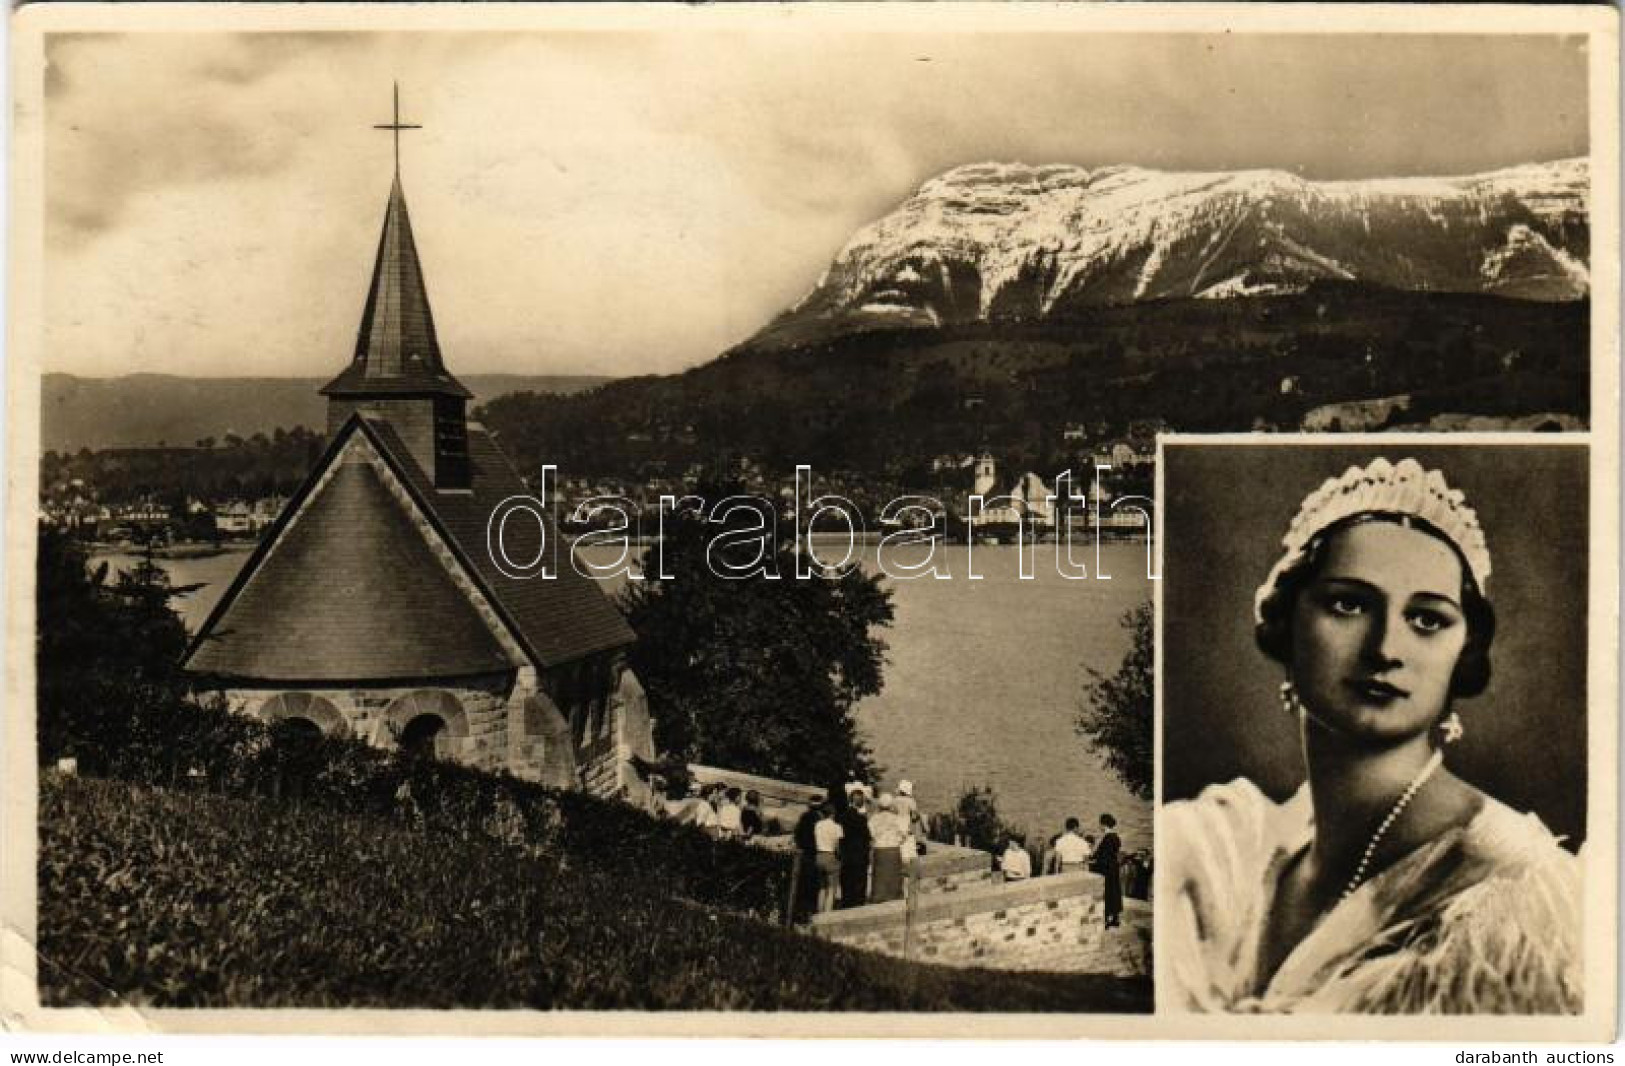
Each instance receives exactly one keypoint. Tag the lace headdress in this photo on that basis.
(1402, 488)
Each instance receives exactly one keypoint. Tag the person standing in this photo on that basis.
(887, 833)
(1070, 852)
(855, 844)
(909, 811)
(807, 845)
(1107, 863)
(827, 835)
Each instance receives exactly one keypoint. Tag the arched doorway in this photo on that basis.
(302, 726)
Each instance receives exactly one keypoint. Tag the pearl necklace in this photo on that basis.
(1387, 823)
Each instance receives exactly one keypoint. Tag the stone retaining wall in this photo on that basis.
(782, 801)
(950, 868)
(1051, 923)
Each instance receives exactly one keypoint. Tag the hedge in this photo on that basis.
(205, 748)
(181, 898)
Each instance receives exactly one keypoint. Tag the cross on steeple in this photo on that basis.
(396, 127)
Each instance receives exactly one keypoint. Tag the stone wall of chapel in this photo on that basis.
(477, 736)
(492, 732)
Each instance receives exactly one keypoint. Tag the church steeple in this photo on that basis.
(397, 371)
(396, 348)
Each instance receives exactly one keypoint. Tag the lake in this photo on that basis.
(983, 678)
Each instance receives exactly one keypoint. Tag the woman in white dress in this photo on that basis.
(1386, 884)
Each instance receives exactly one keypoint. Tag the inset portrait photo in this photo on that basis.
(1373, 709)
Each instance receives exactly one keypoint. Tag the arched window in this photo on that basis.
(423, 723)
(318, 712)
(419, 735)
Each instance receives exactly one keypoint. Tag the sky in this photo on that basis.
(638, 202)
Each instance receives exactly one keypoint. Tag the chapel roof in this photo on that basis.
(350, 591)
(559, 619)
(346, 585)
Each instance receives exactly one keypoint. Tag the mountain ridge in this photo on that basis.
(1013, 241)
(1126, 274)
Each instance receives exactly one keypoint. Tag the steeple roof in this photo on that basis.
(396, 351)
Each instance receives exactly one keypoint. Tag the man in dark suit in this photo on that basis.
(1107, 862)
(807, 846)
(855, 846)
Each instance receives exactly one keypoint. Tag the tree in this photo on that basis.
(103, 649)
(1116, 715)
(752, 673)
(975, 822)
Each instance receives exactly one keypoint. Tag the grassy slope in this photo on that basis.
(189, 899)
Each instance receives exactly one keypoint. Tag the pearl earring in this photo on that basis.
(1289, 699)
(1451, 729)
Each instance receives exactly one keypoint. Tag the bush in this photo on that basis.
(975, 821)
(168, 742)
(158, 896)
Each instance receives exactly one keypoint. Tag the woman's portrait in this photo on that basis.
(1373, 693)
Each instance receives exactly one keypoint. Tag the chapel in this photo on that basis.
(372, 606)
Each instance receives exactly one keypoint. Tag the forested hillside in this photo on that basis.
(886, 402)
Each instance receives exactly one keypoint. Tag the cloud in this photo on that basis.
(629, 202)
(128, 114)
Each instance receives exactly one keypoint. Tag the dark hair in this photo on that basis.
(1108, 821)
(733, 794)
(1274, 630)
(1071, 824)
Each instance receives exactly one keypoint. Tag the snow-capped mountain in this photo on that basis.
(1007, 240)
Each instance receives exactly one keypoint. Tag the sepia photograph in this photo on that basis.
(1374, 727)
(686, 511)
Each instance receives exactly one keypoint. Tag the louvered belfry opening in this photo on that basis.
(451, 442)
(397, 372)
